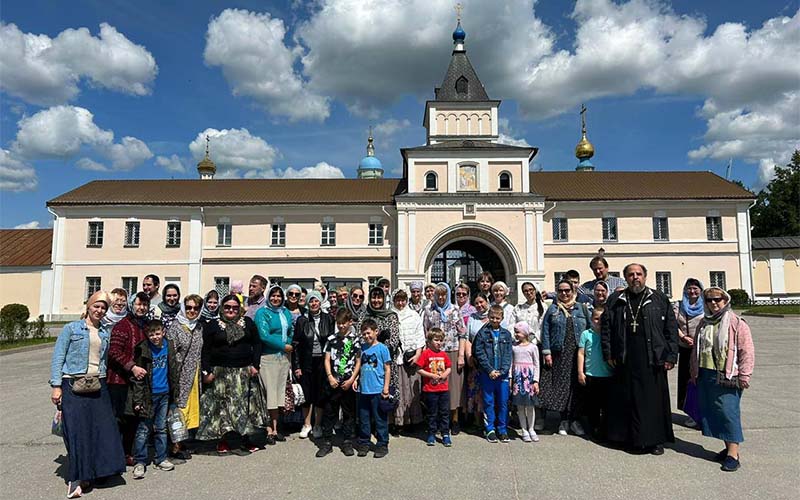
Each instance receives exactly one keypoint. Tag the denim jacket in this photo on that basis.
(483, 350)
(554, 326)
(71, 353)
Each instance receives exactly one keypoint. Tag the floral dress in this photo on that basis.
(525, 371)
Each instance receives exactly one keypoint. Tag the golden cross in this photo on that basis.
(583, 118)
(208, 140)
(459, 8)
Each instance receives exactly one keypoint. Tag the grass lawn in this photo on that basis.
(25, 342)
(775, 309)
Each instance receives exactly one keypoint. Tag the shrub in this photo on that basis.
(14, 313)
(38, 329)
(739, 297)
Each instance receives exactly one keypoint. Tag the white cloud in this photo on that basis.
(15, 174)
(507, 134)
(34, 224)
(66, 131)
(321, 170)
(250, 49)
(89, 164)
(234, 150)
(388, 128)
(46, 71)
(171, 164)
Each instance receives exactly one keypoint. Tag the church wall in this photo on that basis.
(21, 285)
(422, 168)
(463, 122)
(513, 168)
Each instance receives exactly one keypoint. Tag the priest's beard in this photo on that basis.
(636, 289)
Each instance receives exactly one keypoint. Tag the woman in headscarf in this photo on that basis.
(562, 326)
(294, 294)
(186, 335)
(211, 307)
(311, 332)
(600, 293)
(689, 312)
(276, 329)
(445, 315)
(167, 310)
(412, 341)
(90, 430)
(234, 400)
(500, 295)
(462, 301)
(356, 304)
(722, 364)
(416, 301)
(474, 399)
(326, 303)
(118, 308)
(388, 333)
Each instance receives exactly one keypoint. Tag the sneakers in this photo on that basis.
(526, 436)
(363, 449)
(446, 441)
(316, 431)
(324, 450)
(347, 449)
(562, 428)
(431, 441)
(534, 436)
(577, 428)
(74, 488)
(504, 438)
(381, 451)
(305, 431)
(491, 436)
(690, 422)
(730, 464)
(138, 473)
(165, 465)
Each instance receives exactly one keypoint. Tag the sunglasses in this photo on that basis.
(357, 296)
(565, 291)
(231, 308)
(292, 294)
(192, 308)
(461, 294)
(715, 299)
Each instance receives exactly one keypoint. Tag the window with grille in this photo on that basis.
(92, 285)
(222, 284)
(609, 229)
(95, 238)
(224, 235)
(505, 181)
(132, 233)
(717, 278)
(278, 235)
(660, 229)
(328, 234)
(664, 283)
(430, 182)
(376, 234)
(560, 232)
(714, 228)
(130, 283)
(173, 234)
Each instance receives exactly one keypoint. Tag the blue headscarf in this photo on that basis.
(446, 307)
(689, 310)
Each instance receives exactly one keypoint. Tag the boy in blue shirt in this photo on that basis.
(373, 385)
(492, 350)
(150, 397)
(594, 373)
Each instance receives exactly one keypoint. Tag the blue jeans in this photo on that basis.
(159, 425)
(437, 408)
(495, 392)
(368, 409)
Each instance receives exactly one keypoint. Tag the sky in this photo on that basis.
(113, 89)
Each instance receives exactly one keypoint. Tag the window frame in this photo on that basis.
(557, 235)
(131, 290)
(173, 240)
(277, 234)
(657, 235)
(224, 234)
(99, 229)
(500, 186)
(711, 220)
(222, 281)
(327, 234)
(89, 289)
(133, 232)
(713, 282)
(435, 181)
(660, 286)
(606, 230)
(375, 236)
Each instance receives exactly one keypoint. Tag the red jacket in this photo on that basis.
(124, 337)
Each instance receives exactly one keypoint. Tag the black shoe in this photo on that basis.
(657, 450)
(363, 449)
(455, 429)
(325, 449)
(504, 438)
(382, 451)
(182, 455)
(280, 437)
(270, 439)
(347, 449)
(729, 465)
(721, 456)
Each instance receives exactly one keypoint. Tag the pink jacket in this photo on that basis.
(741, 353)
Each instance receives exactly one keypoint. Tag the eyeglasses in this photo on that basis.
(292, 294)
(715, 299)
(230, 308)
(358, 296)
(193, 308)
(461, 294)
(565, 290)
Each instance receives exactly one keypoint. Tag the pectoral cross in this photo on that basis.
(634, 324)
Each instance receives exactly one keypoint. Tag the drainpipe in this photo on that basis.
(53, 253)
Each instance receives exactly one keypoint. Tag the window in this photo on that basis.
(560, 229)
(609, 229)
(660, 229)
(95, 238)
(714, 228)
(372, 282)
(328, 234)
(664, 283)
(557, 276)
(461, 85)
(129, 283)
(278, 235)
(505, 181)
(717, 278)
(224, 234)
(430, 181)
(614, 273)
(173, 234)
(376, 233)
(132, 233)
(222, 284)
(92, 285)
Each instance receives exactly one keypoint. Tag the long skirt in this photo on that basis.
(235, 402)
(409, 384)
(456, 382)
(312, 382)
(472, 391)
(684, 358)
(191, 412)
(720, 413)
(90, 434)
(559, 382)
(274, 373)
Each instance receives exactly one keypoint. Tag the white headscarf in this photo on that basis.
(183, 320)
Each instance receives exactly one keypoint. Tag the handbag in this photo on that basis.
(57, 427)
(288, 398)
(86, 385)
(176, 425)
(299, 396)
(389, 404)
(408, 355)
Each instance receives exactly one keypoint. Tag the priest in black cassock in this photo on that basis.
(640, 342)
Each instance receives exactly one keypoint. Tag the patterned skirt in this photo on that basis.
(408, 410)
(234, 402)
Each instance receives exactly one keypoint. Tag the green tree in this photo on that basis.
(777, 208)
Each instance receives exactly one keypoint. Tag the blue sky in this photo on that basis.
(126, 90)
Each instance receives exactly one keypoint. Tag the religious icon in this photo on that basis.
(467, 178)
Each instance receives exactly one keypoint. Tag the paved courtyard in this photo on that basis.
(557, 467)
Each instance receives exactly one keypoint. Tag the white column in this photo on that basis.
(529, 253)
(452, 176)
(57, 256)
(402, 240)
(412, 242)
(195, 252)
(776, 275)
(483, 176)
(745, 257)
(539, 240)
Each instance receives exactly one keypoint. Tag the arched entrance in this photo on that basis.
(474, 258)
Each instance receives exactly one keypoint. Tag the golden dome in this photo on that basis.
(584, 149)
(206, 165)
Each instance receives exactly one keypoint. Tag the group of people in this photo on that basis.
(373, 363)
